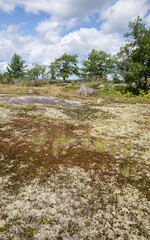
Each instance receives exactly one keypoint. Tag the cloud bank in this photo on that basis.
(63, 31)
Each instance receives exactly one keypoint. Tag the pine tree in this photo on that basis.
(16, 68)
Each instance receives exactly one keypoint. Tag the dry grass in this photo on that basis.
(52, 90)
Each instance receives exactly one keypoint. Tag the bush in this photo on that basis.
(55, 81)
(38, 82)
(93, 84)
(94, 79)
(75, 82)
(19, 82)
(116, 79)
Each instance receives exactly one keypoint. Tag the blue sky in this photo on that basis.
(42, 30)
(19, 16)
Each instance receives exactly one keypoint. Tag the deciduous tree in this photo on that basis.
(35, 71)
(99, 64)
(66, 66)
(134, 57)
(53, 71)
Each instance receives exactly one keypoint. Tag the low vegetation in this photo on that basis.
(81, 170)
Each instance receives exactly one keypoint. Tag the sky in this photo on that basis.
(42, 30)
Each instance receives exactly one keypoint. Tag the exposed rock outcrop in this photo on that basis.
(85, 91)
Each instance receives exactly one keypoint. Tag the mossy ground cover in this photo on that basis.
(82, 173)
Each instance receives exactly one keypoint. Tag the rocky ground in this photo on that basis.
(77, 169)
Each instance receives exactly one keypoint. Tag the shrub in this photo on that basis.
(38, 82)
(93, 84)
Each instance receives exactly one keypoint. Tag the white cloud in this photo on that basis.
(118, 16)
(36, 50)
(6, 44)
(63, 14)
(84, 40)
(49, 31)
(49, 44)
(11, 41)
(79, 42)
(65, 9)
(7, 6)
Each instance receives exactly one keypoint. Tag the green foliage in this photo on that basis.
(93, 84)
(116, 78)
(1, 77)
(52, 71)
(43, 71)
(99, 64)
(48, 221)
(29, 232)
(75, 82)
(4, 228)
(40, 221)
(134, 58)
(6, 78)
(36, 71)
(16, 68)
(44, 221)
(66, 66)
(124, 94)
(88, 223)
(100, 146)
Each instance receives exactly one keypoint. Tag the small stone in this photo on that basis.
(66, 238)
(30, 91)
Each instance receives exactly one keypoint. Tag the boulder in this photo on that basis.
(101, 86)
(85, 91)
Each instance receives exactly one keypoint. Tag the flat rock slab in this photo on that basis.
(23, 101)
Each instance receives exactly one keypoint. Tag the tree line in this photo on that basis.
(131, 64)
